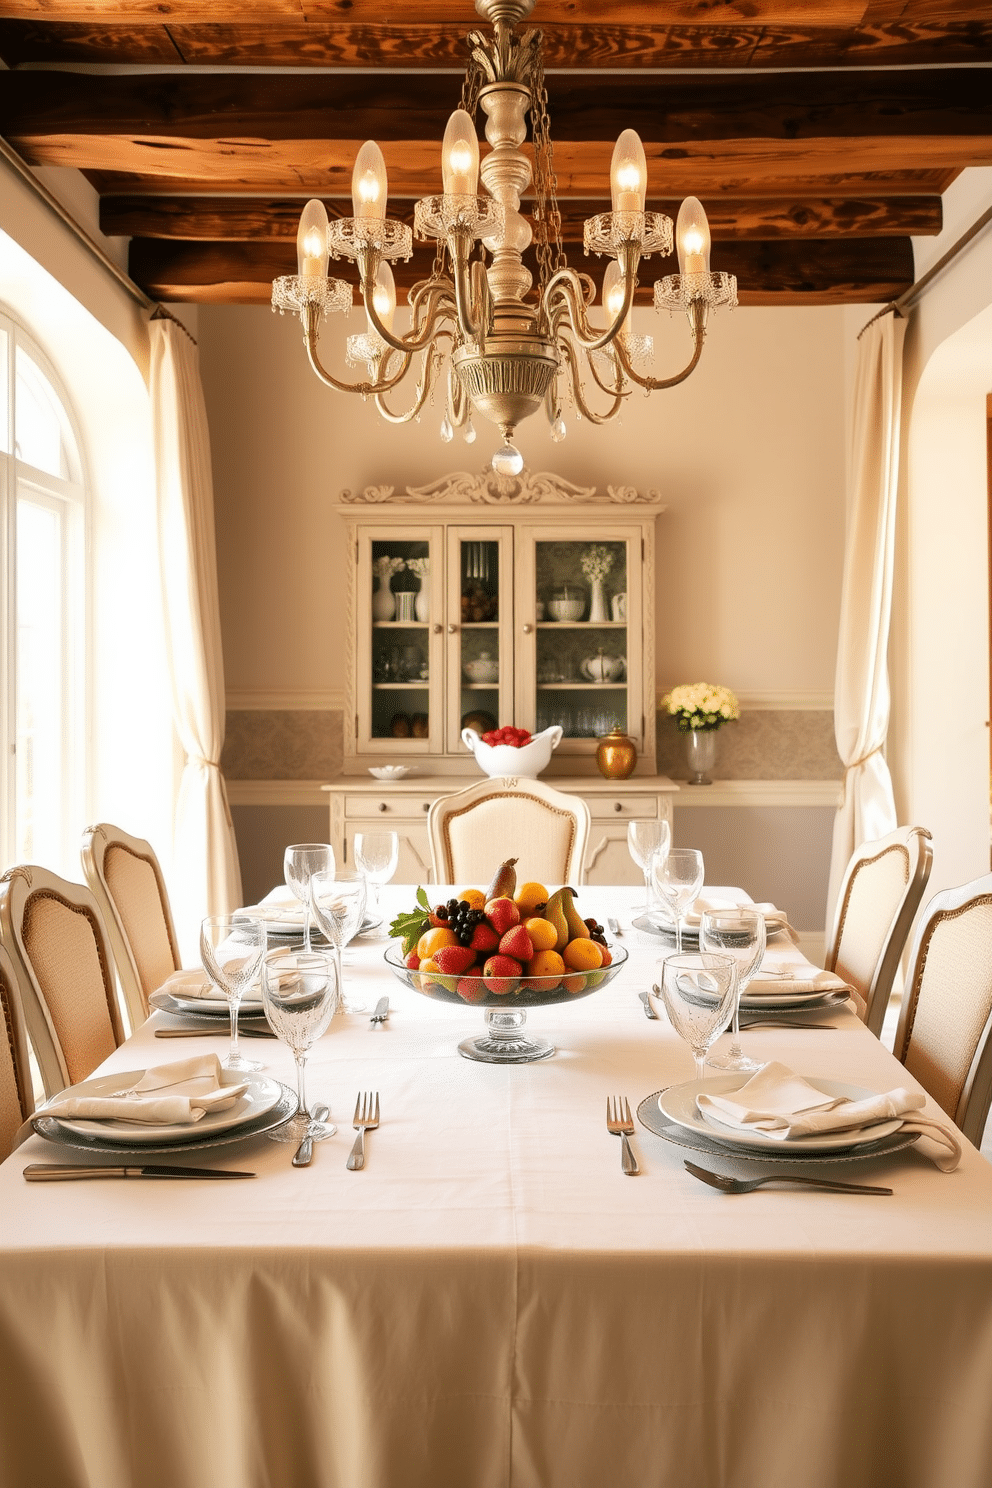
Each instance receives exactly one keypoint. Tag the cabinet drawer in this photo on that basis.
(386, 808)
(622, 807)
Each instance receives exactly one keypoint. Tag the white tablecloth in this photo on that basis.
(491, 1303)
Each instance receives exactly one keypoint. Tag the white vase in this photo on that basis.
(700, 751)
(422, 605)
(383, 602)
(598, 613)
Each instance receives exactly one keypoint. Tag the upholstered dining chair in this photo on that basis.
(944, 1036)
(474, 830)
(126, 881)
(16, 1099)
(54, 936)
(881, 891)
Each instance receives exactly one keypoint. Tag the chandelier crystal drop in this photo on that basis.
(511, 346)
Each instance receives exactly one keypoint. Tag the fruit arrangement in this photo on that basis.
(515, 737)
(524, 945)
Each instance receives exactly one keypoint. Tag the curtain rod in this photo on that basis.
(914, 291)
(157, 311)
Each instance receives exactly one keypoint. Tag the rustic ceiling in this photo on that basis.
(819, 134)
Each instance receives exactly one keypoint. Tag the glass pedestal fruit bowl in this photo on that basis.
(505, 1001)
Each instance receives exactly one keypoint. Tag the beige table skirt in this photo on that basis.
(491, 1303)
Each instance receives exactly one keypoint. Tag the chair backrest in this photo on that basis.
(474, 830)
(944, 1036)
(126, 881)
(55, 938)
(16, 1098)
(882, 890)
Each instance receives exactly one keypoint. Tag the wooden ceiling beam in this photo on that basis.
(811, 272)
(928, 41)
(240, 218)
(457, 13)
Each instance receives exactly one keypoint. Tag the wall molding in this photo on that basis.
(276, 793)
(780, 702)
(250, 701)
(759, 793)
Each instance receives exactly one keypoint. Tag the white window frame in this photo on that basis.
(71, 499)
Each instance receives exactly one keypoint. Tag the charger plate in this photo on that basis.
(209, 1009)
(285, 1107)
(260, 1097)
(650, 1116)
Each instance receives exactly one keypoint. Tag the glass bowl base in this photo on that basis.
(517, 1050)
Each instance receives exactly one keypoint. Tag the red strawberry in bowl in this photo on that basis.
(454, 959)
(484, 939)
(502, 915)
(501, 974)
(516, 943)
(471, 987)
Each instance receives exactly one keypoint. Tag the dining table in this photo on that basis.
(491, 1302)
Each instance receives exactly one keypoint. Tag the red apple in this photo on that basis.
(502, 914)
(471, 987)
(412, 961)
(456, 958)
(484, 938)
(517, 943)
(501, 974)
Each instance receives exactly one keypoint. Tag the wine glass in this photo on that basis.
(678, 877)
(231, 949)
(376, 856)
(740, 934)
(338, 905)
(645, 837)
(300, 996)
(300, 862)
(699, 991)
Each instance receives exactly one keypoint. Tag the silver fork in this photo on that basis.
(619, 1124)
(366, 1119)
(748, 1185)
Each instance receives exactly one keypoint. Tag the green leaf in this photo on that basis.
(422, 897)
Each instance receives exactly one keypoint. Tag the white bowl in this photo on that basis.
(497, 760)
(566, 609)
(481, 671)
(390, 772)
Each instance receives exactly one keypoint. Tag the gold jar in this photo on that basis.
(616, 755)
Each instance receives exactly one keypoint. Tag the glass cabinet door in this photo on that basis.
(585, 664)
(479, 630)
(399, 652)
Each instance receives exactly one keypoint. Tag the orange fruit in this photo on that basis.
(474, 898)
(544, 936)
(547, 966)
(529, 896)
(582, 955)
(433, 940)
(574, 983)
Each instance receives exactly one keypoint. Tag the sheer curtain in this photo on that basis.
(207, 879)
(861, 691)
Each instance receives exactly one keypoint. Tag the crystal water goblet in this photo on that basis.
(231, 949)
(338, 905)
(376, 856)
(740, 934)
(677, 876)
(300, 997)
(645, 837)
(699, 991)
(300, 862)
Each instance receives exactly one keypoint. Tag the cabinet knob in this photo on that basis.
(438, 629)
(617, 805)
(427, 805)
(528, 629)
(383, 806)
(452, 629)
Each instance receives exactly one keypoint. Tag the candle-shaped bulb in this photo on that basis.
(368, 182)
(384, 295)
(460, 156)
(692, 234)
(311, 241)
(628, 173)
(613, 290)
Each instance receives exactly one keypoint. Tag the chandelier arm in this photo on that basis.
(697, 317)
(618, 391)
(459, 246)
(368, 264)
(431, 364)
(565, 286)
(584, 409)
(366, 389)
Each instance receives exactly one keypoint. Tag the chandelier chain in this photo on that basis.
(547, 215)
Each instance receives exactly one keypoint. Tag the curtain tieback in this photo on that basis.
(864, 758)
(199, 759)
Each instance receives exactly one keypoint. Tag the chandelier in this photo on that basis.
(509, 351)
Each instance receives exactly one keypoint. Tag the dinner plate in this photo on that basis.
(795, 1001)
(650, 1116)
(210, 1008)
(661, 930)
(291, 931)
(678, 1104)
(260, 1097)
(277, 1115)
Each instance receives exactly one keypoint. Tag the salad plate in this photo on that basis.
(678, 1104)
(210, 1008)
(261, 1095)
(252, 1125)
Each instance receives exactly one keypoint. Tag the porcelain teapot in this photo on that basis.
(600, 668)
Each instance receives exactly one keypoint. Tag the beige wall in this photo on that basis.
(748, 454)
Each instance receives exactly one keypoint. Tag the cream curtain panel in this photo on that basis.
(207, 878)
(861, 689)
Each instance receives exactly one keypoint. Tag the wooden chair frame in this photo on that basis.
(445, 808)
(12, 1011)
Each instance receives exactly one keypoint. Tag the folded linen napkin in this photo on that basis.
(195, 983)
(796, 984)
(273, 914)
(781, 1104)
(775, 919)
(176, 1094)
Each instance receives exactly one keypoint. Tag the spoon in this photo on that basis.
(649, 1011)
(304, 1153)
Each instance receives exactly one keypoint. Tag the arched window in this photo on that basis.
(43, 539)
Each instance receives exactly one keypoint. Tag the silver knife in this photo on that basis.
(53, 1172)
(381, 1013)
(209, 1032)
